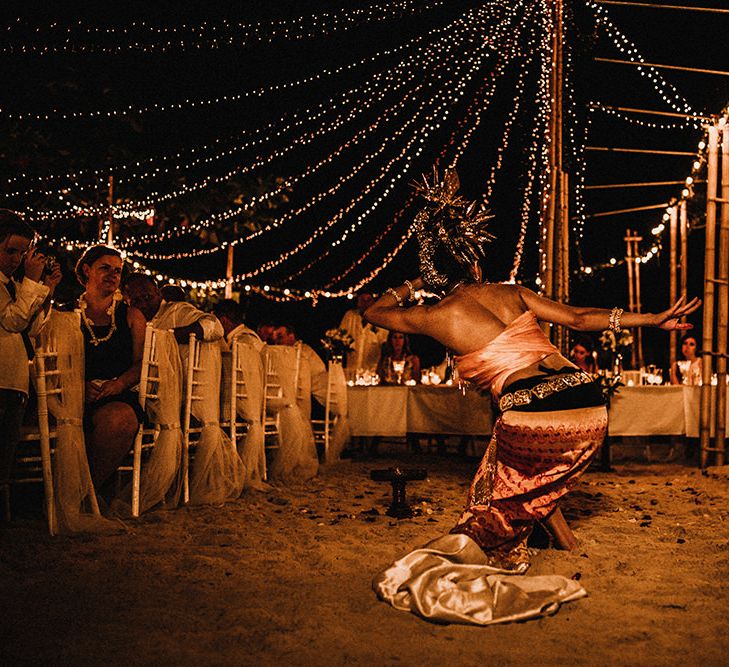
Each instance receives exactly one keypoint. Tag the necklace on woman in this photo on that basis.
(111, 311)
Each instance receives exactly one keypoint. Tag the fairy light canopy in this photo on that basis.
(291, 137)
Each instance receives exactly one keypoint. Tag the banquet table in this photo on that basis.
(396, 410)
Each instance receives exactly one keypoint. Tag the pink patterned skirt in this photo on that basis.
(532, 460)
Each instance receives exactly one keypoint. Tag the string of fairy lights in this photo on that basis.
(358, 98)
(510, 22)
(205, 35)
(672, 98)
(443, 67)
(157, 237)
(268, 292)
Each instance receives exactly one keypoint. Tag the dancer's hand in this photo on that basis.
(669, 319)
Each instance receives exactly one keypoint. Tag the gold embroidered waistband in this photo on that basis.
(543, 389)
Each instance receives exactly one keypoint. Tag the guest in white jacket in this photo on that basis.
(368, 338)
(23, 307)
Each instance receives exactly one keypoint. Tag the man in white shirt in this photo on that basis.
(23, 305)
(368, 339)
(230, 314)
(313, 380)
(141, 291)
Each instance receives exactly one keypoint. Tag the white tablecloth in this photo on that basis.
(395, 411)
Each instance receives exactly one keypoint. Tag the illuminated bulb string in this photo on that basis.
(687, 193)
(448, 98)
(478, 105)
(303, 115)
(304, 27)
(212, 219)
(664, 89)
(222, 99)
(364, 215)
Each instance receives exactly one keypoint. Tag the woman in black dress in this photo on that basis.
(113, 342)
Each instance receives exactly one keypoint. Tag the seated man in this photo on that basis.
(141, 291)
(230, 314)
(314, 380)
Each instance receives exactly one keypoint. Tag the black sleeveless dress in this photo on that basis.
(108, 360)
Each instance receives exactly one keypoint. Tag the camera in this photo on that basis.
(50, 265)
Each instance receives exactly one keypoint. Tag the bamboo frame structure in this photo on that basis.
(683, 220)
(681, 68)
(707, 343)
(229, 273)
(673, 280)
(722, 324)
(623, 3)
(634, 302)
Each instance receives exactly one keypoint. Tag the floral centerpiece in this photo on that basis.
(617, 346)
(337, 343)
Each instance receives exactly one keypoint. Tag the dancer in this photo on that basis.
(552, 419)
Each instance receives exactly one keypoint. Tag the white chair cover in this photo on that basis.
(249, 407)
(71, 478)
(161, 480)
(341, 432)
(295, 459)
(217, 472)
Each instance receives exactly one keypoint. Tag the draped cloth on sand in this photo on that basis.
(71, 478)
(161, 477)
(341, 431)
(217, 472)
(296, 458)
(249, 406)
(475, 574)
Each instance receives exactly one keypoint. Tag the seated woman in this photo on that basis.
(113, 344)
(688, 370)
(581, 355)
(397, 363)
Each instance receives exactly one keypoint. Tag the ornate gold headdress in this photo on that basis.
(451, 221)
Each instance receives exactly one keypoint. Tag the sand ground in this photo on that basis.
(284, 578)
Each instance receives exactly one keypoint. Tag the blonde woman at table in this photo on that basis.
(552, 419)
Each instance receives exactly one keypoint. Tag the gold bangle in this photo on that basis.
(393, 293)
(411, 290)
(614, 319)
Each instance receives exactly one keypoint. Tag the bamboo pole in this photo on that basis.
(624, 3)
(554, 155)
(229, 273)
(638, 347)
(110, 230)
(681, 68)
(641, 151)
(707, 343)
(651, 207)
(653, 112)
(683, 218)
(609, 186)
(722, 286)
(564, 249)
(630, 266)
(673, 282)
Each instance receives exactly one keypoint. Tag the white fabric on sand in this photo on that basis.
(449, 581)
(161, 480)
(249, 406)
(217, 473)
(71, 478)
(296, 458)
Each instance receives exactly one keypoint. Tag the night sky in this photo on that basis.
(93, 77)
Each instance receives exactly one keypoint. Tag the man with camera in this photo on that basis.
(24, 304)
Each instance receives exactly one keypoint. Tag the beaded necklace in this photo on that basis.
(111, 310)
